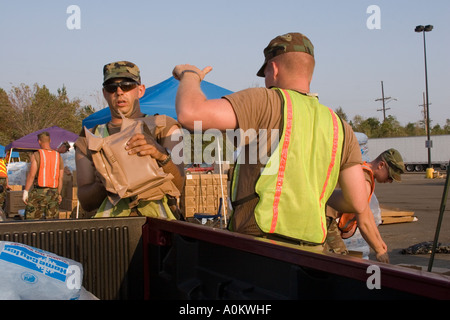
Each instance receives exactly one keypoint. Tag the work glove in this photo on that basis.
(25, 196)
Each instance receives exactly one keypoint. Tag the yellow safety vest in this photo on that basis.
(3, 171)
(152, 208)
(293, 199)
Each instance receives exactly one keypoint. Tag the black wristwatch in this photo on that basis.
(166, 160)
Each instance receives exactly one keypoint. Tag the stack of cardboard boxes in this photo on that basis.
(69, 195)
(202, 194)
(14, 202)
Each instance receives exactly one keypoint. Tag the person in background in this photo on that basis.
(122, 89)
(386, 168)
(313, 154)
(4, 182)
(63, 147)
(46, 178)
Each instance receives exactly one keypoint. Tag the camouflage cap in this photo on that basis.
(121, 69)
(395, 162)
(289, 42)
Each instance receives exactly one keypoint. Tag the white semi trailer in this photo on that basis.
(414, 151)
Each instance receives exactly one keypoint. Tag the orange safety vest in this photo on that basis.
(3, 171)
(48, 175)
(347, 222)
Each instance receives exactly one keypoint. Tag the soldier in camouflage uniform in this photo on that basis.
(122, 89)
(42, 202)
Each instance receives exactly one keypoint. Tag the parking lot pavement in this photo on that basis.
(422, 196)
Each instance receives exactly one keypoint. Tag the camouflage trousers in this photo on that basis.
(334, 242)
(42, 204)
(3, 194)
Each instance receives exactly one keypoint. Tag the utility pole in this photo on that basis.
(425, 113)
(384, 103)
(428, 143)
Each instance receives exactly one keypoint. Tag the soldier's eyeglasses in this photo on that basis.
(124, 86)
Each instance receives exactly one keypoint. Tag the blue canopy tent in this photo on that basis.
(158, 99)
(3, 153)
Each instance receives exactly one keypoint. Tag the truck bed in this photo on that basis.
(140, 258)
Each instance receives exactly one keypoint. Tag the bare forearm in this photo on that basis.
(188, 99)
(178, 175)
(28, 183)
(91, 191)
(369, 230)
(91, 196)
(354, 199)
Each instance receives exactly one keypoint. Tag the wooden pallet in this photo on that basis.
(392, 215)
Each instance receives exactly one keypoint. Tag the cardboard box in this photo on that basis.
(202, 193)
(69, 189)
(74, 178)
(68, 205)
(192, 179)
(65, 214)
(16, 187)
(14, 202)
(69, 193)
(190, 201)
(190, 191)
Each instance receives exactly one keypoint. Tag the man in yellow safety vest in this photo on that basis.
(284, 197)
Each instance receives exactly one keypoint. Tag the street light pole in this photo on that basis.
(428, 143)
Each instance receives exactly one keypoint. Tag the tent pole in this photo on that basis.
(10, 155)
(441, 214)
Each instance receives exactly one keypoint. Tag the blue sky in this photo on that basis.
(351, 59)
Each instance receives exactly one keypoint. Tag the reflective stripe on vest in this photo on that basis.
(292, 200)
(48, 168)
(3, 171)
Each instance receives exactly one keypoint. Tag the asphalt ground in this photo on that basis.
(423, 196)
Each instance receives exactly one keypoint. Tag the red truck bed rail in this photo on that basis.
(189, 261)
(140, 258)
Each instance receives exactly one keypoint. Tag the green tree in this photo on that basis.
(447, 127)
(413, 129)
(28, 109)
(390, 127)
(5, 106)
(369, 126)
(340, 112)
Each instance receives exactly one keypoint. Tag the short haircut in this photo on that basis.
(44, 136)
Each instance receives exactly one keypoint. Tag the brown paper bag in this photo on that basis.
(125, 175)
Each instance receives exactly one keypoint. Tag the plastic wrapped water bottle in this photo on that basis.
(28, 273)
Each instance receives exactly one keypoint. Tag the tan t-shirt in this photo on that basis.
(262, 108)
